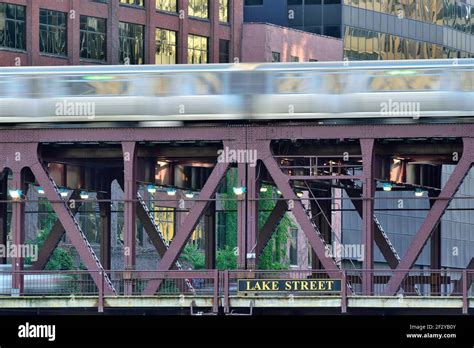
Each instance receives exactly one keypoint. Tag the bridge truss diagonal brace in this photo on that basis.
(186, 229)
(434, 215)
(65, 217)
(271, 224)
(54, 237)
(378, 236)
(282, 182)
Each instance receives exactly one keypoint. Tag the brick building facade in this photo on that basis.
(74, 32)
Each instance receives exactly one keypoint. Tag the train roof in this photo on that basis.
(142, 69)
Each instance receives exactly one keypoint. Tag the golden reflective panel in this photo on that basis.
(293, 83)
(467, 81)
(382, 81)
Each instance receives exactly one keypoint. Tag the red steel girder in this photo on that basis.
(185, 231)
(433, 217)
(281, 181)
(25, 155)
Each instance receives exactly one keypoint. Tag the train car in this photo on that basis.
(378, 91)
(36, 284)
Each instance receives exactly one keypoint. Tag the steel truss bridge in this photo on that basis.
(290, 157)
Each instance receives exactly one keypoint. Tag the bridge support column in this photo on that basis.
(241, 218)
(105, 228)
(130, 208)
(3, 212)
(210, 236)
(368, 194)
(252, 216)
(18, 230)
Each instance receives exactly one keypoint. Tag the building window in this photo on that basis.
(12, 26)
(94, 38)
(53, 32)
(131, 49)
(275, 57)
(295, 59)
(132, 2)
(198, 49)
(224, 11)
(198, 8)
(167, 5)
(165, 47)
(224, 51)
(253, 2)
(294, 247)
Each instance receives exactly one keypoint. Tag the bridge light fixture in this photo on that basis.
(279, 192)
(387, 187)
(63, 192)
(40, 190)
(15, 194)
(84, 195)
(299, 194)
(151, 188)
(263, 189)
(239, 191)
(171, 191)
(418, 192)
(189, 194)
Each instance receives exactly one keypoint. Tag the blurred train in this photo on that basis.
(35, 283)
(375, 90)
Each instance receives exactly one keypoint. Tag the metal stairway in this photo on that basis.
(162, 237)
(318, 233)
(86, 242)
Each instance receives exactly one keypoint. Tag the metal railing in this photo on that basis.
(221, 286)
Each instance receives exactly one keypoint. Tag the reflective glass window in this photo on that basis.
(53, 32)
(93, 38)
(166, 50)
(198, 49)
(131, 39)
(167, 5)
(12, 26)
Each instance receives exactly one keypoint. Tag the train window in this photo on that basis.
(188, 84)
(467, 81)
(404, 81)
(335, 83)
(94, 85)
(16, 87)
(294, 83)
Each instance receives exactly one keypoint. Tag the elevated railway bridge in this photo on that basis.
(316, 134)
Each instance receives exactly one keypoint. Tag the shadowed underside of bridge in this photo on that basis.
(320, 160)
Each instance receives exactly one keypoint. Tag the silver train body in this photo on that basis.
(321, 91)
(35, 284)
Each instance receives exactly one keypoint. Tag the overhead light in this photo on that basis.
(84, 195)
(63, 192)
(171, 192)
(151, 188)
(387, 186)
(299, 194)
(15, 194)
(263, 189)
(418, 192)
(239, 190)
(40, 190)
(189, 195)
